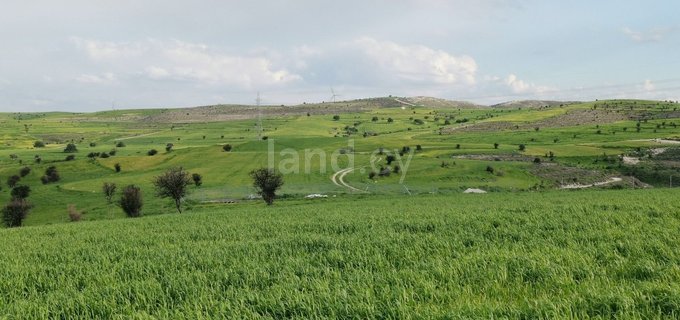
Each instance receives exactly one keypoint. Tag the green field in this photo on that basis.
(407, 245)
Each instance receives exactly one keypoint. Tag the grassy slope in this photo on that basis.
(532, 255)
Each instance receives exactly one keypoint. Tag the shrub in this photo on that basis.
(419, 147)
(336, 117)
(522, 147)
(14, 213)
(38, 144)
(104, 155)
(390, 120)
(396, 169)
(418, 121)
(20, 192)
(152, 152)
(70, 148)
(458, 146)
(70, 157)
(13, 180)
(37, 159)
(266, 182)
(113, 152)
(73, 214)
(371, 175)
(390, 158)
(537, 160)
(447, 122)
(265, 137)
(131, 201)
(495, 145)
(109, 190)
(92, 144)
(24, 171)
(172, 184)
(226, 147)
(489, 169)
(168, 147)
(51, 175)
(117, 167)
(120, 144)
(198, 179)
(374, 119)
(93, 155)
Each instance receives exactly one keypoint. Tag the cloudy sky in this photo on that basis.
(94, 55)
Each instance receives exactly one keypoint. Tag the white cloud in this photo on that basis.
(107, 77)
(648, 85)
(419, 63)
(520, 87)
(652, 35)
(183, 61)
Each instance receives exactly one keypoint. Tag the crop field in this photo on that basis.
(580, 218)
(554, 254)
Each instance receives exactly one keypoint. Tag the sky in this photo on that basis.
(84, 55)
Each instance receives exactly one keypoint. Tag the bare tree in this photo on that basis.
(14, 213)
(109, 189)
(266, 182)
(173, 184)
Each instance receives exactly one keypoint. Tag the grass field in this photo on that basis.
(530, 255)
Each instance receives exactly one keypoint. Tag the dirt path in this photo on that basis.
(596, 184)
(137, 136)
(405, 102)
(338, 179)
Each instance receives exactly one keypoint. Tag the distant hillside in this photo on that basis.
(531, 104)
(441, 103)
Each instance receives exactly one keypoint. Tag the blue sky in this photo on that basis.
(92, 55)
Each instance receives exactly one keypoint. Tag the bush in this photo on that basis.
(38, 144)
(120, 144)
(168, 147)
(396, 169)
(418, 121)
(371, 175)
(113, 152)
(131, 201)
(104, 155)
(20, 192)
(198, 179)
(24, 171)
(13, 180)
(73, 214)
(336, 117)
(419, 148)
(51, 175)
(117, 167)
(226, 147)
(537, 160)
(152, 152)
(266, 182)
(390, 120)
(522, 147)
(172, 184)
(70, 148)
(70, 157)
(495, 145)
(14, 213)
(92, 144)
(489, 169)
(109, 190)
(374, 119)
(390, 158)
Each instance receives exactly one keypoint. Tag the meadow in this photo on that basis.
(568, 255)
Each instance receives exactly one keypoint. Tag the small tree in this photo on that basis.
(198, 179)
(336, 117)
(70, 148)
(14, 213)
(117, 167)
(389, 159)
(38, 144)
(522, 147)
(495, 145)
(168, 147)
(537, 160)
(374, 119)
(131, 201)
(172, 184)
(266, 182)
(70, 157)
(109, 190)
(120, 144)
(13, 180)
(73, 214)
(371, 175)
(51, 175)
(226, 147)
(152, 152)
(489, 169)
(20, 192)
(390, 120)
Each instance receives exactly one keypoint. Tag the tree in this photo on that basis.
(390, 120)
(266, 182)
(14, 213)
(389, 159)
(13, 180)
(198, 179)
(70, 148)
(495, 145)
(70, 157)
(131, 201)
(374, 119)
(522, 147)
(20, 192)
(109, 190)
(120, 144)
(38, 144)
(172, 184)
(152, 152)
(117, 167)
(168, 147)
(226, 147)
(336, 117)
